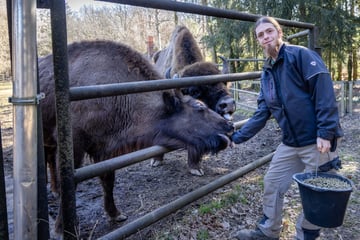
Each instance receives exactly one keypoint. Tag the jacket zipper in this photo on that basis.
(279, 95)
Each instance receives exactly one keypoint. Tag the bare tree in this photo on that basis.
(5, 57)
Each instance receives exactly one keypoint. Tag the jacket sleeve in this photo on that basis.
(254, 124)
(327, 116)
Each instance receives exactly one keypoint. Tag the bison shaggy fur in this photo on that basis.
(182, 58)
(106, 127)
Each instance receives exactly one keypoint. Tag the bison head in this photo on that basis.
(216, 96)
(183, 58)
(189, 123)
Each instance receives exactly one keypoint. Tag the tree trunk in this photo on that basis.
(355, 66)
(339, 70)
(349, 67)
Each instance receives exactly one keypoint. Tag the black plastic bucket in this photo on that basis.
(322, 206)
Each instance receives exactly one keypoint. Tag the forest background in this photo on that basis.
(338, 22)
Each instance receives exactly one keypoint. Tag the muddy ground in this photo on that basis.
(141, 189)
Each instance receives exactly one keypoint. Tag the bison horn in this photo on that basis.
(168, 73)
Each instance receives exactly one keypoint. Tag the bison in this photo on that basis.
(107, 127)
(183, 58)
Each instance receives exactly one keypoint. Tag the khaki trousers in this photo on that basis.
(278, 179)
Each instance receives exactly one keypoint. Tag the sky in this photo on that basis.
(77, 4)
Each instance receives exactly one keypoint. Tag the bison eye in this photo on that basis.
(194, 92)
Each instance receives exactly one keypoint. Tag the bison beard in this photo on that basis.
(195, 154)
(197, 148)
(107, 127)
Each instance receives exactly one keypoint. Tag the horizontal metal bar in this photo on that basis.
(106, 90)
(299, 34)
(246, 91)
(206, 11)
(246, 106)
(125, 160)
(246, 59)
(173, 206)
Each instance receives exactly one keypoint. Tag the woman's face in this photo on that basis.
(269, 38)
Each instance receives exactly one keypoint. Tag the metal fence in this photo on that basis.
(24, 60)
(347, 95)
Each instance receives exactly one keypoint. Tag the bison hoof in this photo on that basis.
(121, 218)
(197, 172)
(55, 195)
(118, 218)
(155, 163)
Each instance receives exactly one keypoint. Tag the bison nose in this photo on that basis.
(231, 126)
(226, 107)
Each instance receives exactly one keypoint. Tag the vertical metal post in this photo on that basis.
(313, 35)
(4, 228)
(346, 97)
(25, 119)
(64, 138)
(342, 99)
(43, 213)
(350, 98)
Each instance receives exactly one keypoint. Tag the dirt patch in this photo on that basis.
(141, 189)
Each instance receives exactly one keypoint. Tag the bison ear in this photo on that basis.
(225, 65)
(172, 102)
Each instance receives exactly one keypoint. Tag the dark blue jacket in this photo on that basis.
(298, 92)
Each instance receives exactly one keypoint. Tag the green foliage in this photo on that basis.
(337, 23)
(203, 234)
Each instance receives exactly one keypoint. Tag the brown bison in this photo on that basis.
(183, 58)
(107, 127)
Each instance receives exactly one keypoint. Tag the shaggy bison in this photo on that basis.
(107, 127)
(183, 58)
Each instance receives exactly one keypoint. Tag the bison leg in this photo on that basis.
(194, 164)
(107, 181)
(157, 161)
(50, 159)
(59, 221)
